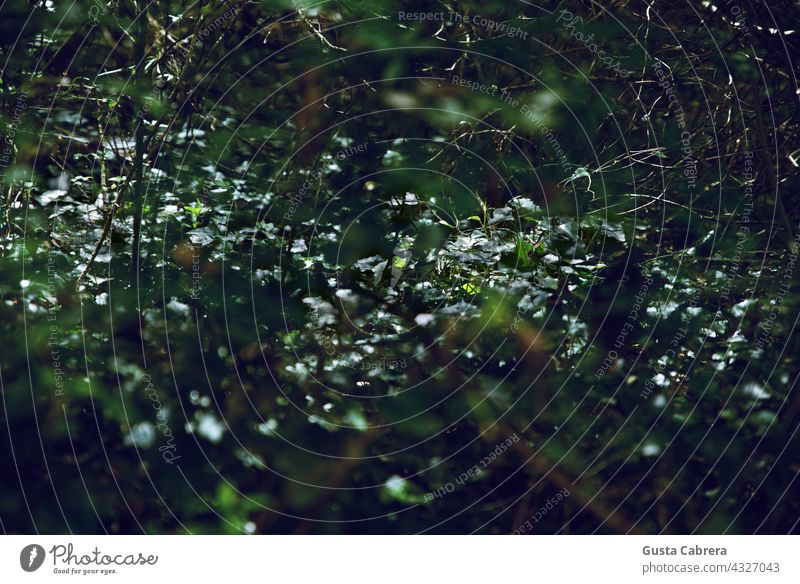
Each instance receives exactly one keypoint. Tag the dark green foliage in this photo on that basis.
(394, 276)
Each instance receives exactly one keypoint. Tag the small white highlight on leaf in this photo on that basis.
(424, 319)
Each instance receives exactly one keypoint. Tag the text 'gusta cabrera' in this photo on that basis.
(685, 550)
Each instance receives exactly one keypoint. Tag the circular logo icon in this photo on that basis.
(31, 557)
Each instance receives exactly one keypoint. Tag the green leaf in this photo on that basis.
(470, 288)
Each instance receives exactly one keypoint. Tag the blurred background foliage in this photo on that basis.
(356, 276)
